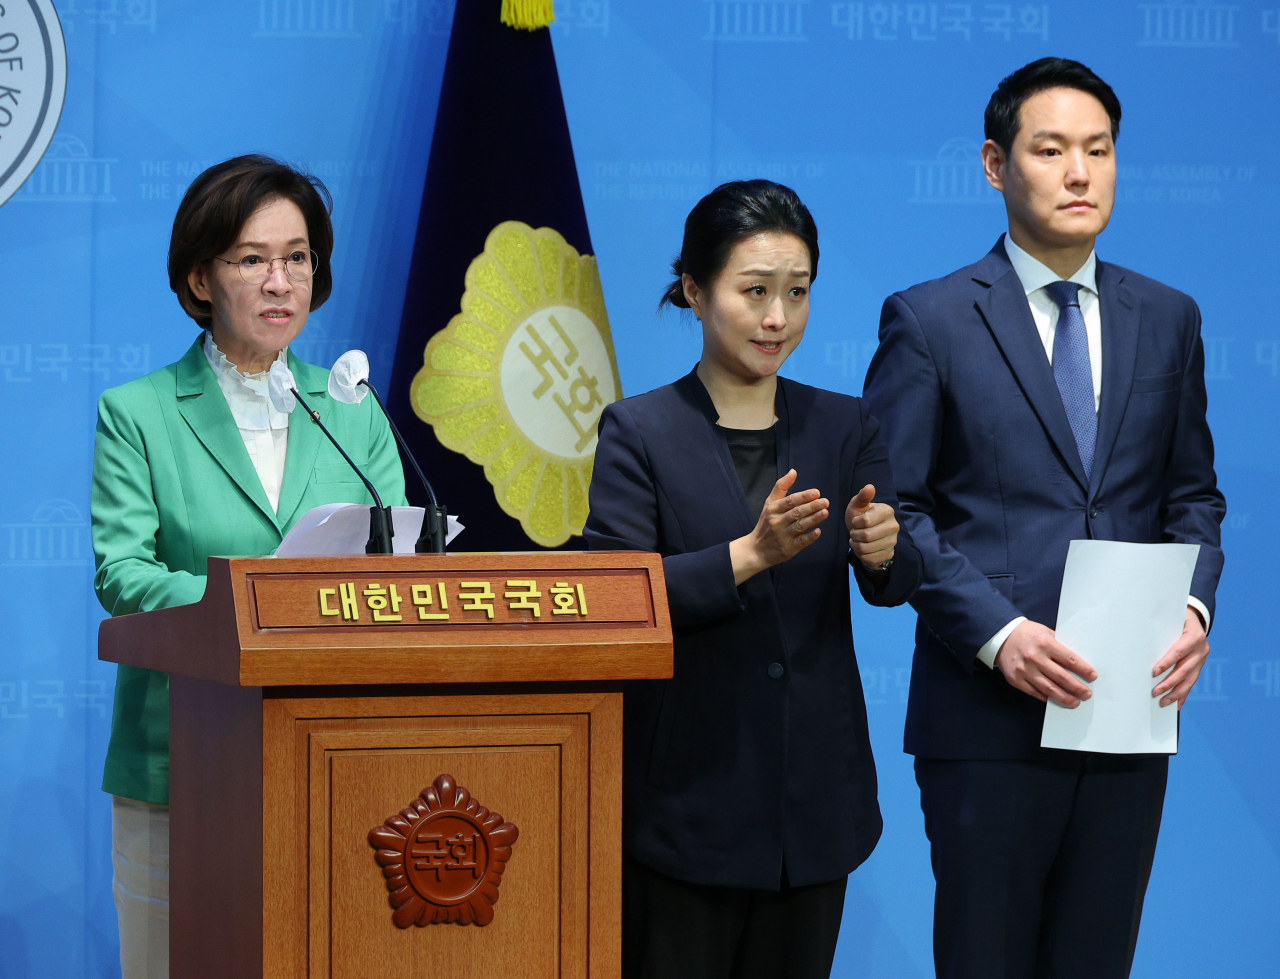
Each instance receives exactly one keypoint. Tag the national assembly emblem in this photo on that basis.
(33, 84)
(443, 857)
(517, 380)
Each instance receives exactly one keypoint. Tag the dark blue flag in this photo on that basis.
(504, 359)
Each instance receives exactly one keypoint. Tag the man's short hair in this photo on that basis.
(1002, 120)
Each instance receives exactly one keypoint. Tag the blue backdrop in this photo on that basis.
(873, 111)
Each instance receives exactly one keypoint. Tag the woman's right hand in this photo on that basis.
(787, 525)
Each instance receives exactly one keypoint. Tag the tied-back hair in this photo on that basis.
(730, 214)
(1001, 120)
(219, 202)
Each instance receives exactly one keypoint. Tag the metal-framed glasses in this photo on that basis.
(299, 265)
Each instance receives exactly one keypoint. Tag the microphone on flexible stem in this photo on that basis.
(435, 521)
(381, 531)
(283, 391)
(350, 372)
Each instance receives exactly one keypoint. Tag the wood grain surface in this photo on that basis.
(290, 742)
(334, 767)
(215, 830)
(259, 623)
(523, 782)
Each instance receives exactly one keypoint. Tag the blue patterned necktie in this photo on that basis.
(1072, 371)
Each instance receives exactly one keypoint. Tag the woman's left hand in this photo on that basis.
(873, 529)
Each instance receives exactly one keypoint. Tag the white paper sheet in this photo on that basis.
(1122, 607)
(343, 528)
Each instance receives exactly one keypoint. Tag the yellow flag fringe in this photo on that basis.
(528, 15)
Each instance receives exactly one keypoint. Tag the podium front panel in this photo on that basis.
(312, 744)
(530, 769)
(334, 768)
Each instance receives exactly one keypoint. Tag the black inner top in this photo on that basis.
(755, 457)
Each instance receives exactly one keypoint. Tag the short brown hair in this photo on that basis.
(220, 201)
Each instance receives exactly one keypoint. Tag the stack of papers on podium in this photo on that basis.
(343, 528)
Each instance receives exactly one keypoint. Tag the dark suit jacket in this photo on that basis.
(991, 482)
(727, 768)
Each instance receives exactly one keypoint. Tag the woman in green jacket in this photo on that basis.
(194, 460)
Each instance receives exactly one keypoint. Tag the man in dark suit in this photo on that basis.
(1033, 398)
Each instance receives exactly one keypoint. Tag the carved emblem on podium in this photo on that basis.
(443, 857)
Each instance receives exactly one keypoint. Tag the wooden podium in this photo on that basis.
(313, 700)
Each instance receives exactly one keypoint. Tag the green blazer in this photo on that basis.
(173, 484)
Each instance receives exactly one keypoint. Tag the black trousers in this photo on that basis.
(1041, 866)
(672, 929)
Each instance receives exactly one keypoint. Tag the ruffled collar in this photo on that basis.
(245, 393)
(257, 383)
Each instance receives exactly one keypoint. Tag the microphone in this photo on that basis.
(283, 391)
(348, 376)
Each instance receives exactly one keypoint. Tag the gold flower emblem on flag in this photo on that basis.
(517, 380)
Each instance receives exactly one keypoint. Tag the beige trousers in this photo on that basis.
(140, 857)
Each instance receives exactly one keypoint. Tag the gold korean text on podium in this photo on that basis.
(390, 600)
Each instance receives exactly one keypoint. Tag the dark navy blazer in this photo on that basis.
(727, 766)
(992, 486)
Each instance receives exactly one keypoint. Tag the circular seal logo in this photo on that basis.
(443, 857)
(517, 380)
(33, 84)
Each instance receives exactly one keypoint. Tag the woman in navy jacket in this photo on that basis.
(749, 786)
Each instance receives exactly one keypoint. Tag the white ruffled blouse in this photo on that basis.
(265, 430)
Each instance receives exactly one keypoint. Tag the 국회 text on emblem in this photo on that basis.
(443, 857)
(518, 379)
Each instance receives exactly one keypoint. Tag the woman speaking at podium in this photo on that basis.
(749, 786)
(194, 460)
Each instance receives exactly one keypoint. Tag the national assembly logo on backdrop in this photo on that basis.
(33, 83)
(518, 379)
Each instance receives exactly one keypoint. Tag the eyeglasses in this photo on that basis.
(299, 265)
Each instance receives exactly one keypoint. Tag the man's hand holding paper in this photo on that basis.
(1124, 607)
(1033, 660)
(1189, 653)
